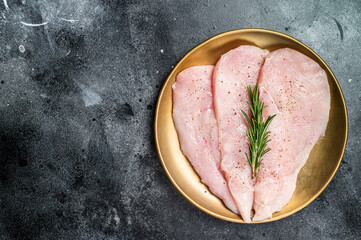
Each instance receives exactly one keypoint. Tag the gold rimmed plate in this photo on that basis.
(323, 161)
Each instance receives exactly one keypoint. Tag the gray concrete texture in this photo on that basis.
(77, 99)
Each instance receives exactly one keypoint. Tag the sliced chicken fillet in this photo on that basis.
(234, 72)
(197, 129)
(296, 89)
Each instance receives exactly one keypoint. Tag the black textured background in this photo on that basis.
(77, 98)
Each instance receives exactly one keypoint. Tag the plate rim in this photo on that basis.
(157, 117)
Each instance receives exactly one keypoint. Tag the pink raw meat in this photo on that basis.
(197, 129)
(296, 89)
(234, 71)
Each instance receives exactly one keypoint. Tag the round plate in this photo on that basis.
(323, 161)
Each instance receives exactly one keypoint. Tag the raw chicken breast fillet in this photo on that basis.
(197, 129)
(296, 89)
(234, 72)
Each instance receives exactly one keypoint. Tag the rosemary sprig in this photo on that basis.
(257, 132)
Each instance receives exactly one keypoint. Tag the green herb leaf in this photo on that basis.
(257, 132)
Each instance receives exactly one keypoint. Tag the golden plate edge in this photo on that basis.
(157, 115)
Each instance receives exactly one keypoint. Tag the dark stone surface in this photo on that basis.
(77, 98)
